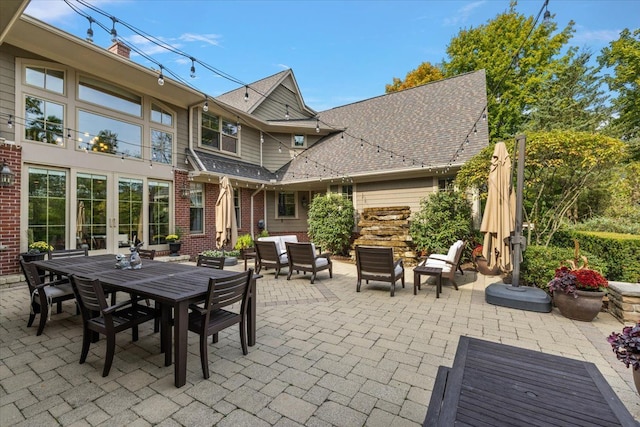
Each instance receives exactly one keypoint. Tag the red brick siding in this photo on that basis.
(10, 211)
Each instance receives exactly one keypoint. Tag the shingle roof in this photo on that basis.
(426, 125)
(221, 165)
(256, 90)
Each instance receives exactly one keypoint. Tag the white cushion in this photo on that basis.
(320, 262)
(438, 264)
(58, 290)
(284, 259)
(398, 270)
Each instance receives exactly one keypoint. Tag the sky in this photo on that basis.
(341, 51)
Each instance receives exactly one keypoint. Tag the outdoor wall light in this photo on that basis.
(6, 176)
(185, 191)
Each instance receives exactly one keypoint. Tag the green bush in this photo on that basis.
(217, 253)
(540, 263)
(331, 222)
(620, 252)
(443, 218)
(244, 241)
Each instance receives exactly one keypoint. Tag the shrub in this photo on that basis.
(217, 253)
(443, 218)
(244, 241)
(331, 221)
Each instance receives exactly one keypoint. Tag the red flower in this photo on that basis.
(588, 279)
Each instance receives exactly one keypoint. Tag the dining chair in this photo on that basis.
(211, 262)
(44, 294)
(212, 318)
(98, 317)
(147, 253)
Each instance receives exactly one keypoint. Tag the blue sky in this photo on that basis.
(340, 51)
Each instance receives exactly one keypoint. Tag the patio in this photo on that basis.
(325, 355)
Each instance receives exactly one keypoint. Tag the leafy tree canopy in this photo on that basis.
(425, 73)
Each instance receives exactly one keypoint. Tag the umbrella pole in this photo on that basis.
(517, 240)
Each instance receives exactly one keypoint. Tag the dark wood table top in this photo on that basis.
(493, 384)
(427, 270)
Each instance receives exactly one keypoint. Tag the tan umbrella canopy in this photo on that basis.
(226, 228)
(498, 220)
(80, 223)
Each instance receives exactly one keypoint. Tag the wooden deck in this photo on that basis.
(493, 384)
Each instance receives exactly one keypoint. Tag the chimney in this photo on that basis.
(120, 49)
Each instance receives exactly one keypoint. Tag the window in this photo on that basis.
(47, 206)
(347, 191)
(445, 184)
(223, 138)
(44, 121)
(44, 78)
(106, 135)
(196, 211)
(159, 211)
(161, 146)
(236, 205)
(286, 204)
(91, 218)
(130, 213)
(298, 140)
(159, 115)
(109, 96)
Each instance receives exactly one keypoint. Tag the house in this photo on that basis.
(101, 160)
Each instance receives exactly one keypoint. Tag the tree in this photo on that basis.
(560, 166)
(331, 221)
(425, 73)
(573, 99)
(624, 56)
(518, 59)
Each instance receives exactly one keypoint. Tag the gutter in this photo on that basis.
(252, 197)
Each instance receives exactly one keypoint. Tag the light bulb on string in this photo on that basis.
(286, 113)
(342, 137)
(205, 107)
(161, 77)
(193, 68)
(114, 33)
(475, 129)
(261, 138)
(90, 30)
(279, 149)
(150, 164)
(10, 122)
(246, 93)
(317, 125)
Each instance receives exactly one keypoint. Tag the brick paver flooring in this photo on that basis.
(325, 356)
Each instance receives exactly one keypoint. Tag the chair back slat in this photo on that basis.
(300, 253)
(89, 294)
(68, 253)
(226, 291)
(211, 262)
(374, 259)
(31, 275)
(147, 253)
(267, 250)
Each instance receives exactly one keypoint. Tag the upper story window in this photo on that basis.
(45, 78)
(445, 184)
(44, 121)
(106, 135)
(219, 134)
(109, 96)
(160, 115)
(286, 204)
(299, 141)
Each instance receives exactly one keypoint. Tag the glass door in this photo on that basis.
(129, 227)
(91, 211)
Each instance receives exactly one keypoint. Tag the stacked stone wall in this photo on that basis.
(387, 227)
(624, 301)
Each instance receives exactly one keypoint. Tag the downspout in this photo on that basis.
(252, 196)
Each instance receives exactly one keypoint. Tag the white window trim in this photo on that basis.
(295, 204)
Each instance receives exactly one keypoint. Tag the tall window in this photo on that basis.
(286, 204)
(44, 121)
(47, 206)
(106, 135)
(159, 211)
(45, 78)
(196, 211)
(91, 217)
(236, 206)
(109, 96)
(161, 146)
(347, 191)
(130, 214)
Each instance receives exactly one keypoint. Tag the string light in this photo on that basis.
(286, 113)
(261, 138)
(246, 93)
(90, 30)
(317, 125)
(160, 77)
(205, 107)
(10, 122)
(114, 33)
(193, 68)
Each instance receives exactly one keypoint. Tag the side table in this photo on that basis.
(427, 271)
(249, 255)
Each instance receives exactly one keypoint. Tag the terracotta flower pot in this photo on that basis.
(584, 308)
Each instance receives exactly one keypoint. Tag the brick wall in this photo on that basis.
(10, 211)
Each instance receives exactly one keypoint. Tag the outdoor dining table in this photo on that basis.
(171, 284)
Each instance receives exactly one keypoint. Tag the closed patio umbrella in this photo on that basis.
(226, 228)
(498, 220)
(80, 224)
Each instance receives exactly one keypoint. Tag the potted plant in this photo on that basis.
(37, 251)
(244, 243)
(626, 346)
(174, 244)
(578, 290)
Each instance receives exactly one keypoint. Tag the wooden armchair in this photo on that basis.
(376, 263)
(106, 320)
(44, 294)
(212, 318)
(211, 262)
(302, 257)
(268, 256)
(449, 263)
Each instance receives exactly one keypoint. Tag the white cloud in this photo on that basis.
(462, 14)
(283, 66)
(211, 39)
(603, 37)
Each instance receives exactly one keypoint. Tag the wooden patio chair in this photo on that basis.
(211, 262)
(376, 263)
(212, 318)
(448, 263)
(147, 253)
(97, 317)
(268, 256)
(302, 257)
(44, 294)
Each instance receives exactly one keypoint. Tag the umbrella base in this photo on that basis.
(519, 297)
